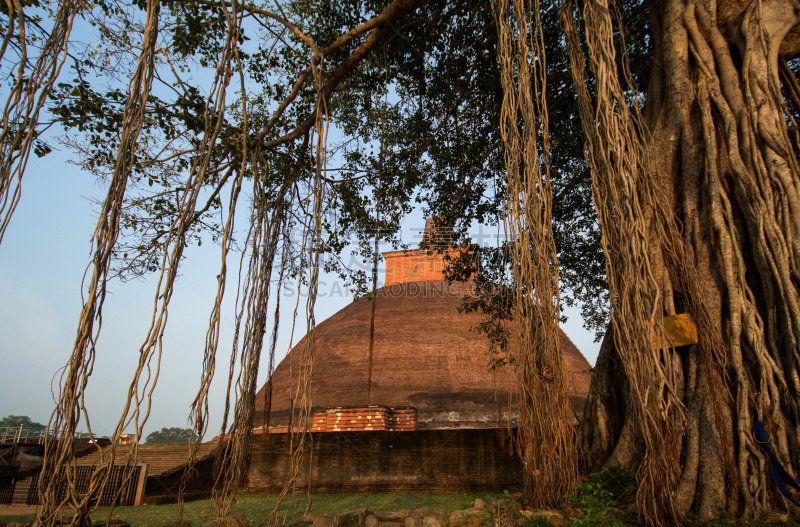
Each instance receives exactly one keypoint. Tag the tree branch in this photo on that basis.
(571, 184)
(380, 26)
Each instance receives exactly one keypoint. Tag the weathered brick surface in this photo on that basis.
(416, 266)
(364, 418)
(430, 461)
(426, 355)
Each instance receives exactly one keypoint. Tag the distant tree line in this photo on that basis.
(15, 421)
(169, 435)
(163, 436)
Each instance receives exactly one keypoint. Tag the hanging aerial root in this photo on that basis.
(312, 234)
(268, 229)
(29, 93)
(139, 398)
(548, 435)
(200, 407)
(58, 470)
(624, 200)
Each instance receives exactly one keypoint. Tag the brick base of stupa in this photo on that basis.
(365, 418)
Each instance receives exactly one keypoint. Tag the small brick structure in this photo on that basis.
(417, 265)
(365, 418)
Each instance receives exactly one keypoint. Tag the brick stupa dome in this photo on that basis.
(426, 354)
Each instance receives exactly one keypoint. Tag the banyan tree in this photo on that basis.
(641, 159)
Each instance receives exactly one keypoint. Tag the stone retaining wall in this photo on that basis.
(414, 461)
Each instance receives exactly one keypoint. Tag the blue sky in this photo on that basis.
(42, 260)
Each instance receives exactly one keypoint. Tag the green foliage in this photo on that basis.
(538, 521)
(15, 421)
(415, 125)
(596, 504)
(170, 435)
(617, 480)
(514, 498)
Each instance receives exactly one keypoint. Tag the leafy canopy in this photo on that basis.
(15, 421)
(169, 435)
(414, 123)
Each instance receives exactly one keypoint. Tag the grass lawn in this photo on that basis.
(258, 508)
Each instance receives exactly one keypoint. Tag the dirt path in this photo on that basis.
(14, 510)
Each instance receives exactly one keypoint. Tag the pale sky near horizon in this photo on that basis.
(42, 260)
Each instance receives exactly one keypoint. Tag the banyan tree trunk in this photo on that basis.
(721, 146)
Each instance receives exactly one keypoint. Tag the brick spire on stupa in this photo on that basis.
(425, 263)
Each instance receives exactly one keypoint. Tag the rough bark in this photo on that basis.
(722, 159)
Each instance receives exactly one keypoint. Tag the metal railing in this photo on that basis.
(20, 434)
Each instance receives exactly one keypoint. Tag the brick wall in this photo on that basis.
(417, 461)
(415, 266)
(364, 418)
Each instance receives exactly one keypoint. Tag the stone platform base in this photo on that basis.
(461, 460)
